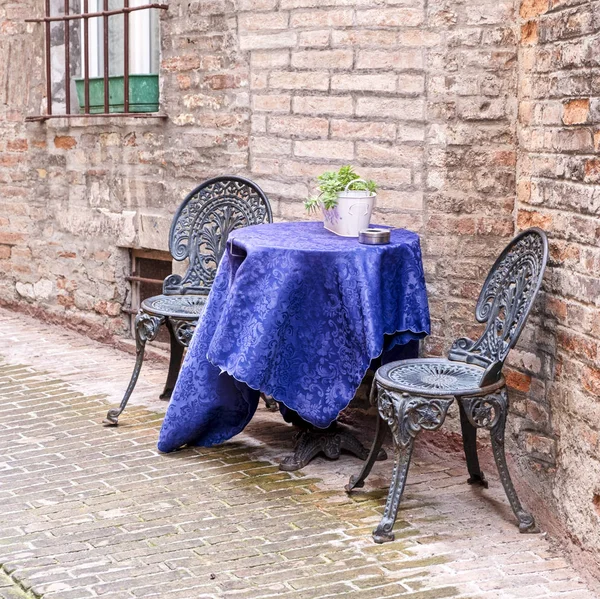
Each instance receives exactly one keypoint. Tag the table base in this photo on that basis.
(270, 403)
(330, 441)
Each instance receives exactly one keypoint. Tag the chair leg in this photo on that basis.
(402, 454)
(491, 412)
(146, 329)
(469, 435)
(406, 416)
(176, 358)
(380, 434)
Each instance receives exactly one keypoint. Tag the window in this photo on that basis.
(143, 40)
(102, 57)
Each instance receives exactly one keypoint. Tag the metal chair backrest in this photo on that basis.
(202, 224)
(505, 302)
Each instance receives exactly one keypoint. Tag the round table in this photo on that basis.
(297, 313)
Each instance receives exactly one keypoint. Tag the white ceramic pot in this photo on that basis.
(352, 213)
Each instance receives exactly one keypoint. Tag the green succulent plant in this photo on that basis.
(331, 183)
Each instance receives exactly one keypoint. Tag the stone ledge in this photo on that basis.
(67, 122)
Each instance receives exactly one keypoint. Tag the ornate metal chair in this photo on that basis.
(414, 395)
(199, 232)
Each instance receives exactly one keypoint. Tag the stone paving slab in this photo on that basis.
(89, 511)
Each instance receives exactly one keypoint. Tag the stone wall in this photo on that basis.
(558, 176)
(435, 100)
(78, 194)
(420, 97)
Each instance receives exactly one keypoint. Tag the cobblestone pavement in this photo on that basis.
(91, 511)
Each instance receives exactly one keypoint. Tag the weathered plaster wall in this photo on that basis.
(422, 96)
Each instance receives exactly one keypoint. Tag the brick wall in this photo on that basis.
(475, 118)
(558, 176)
(470, 156)
(419, 96)
(333, 85)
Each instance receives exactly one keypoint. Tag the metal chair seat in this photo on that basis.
(432, 377)
(183, 307)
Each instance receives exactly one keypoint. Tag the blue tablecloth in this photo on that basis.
(297, 313)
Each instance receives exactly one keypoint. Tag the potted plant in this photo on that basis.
(346, 201)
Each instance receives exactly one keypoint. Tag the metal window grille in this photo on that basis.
(84, 17)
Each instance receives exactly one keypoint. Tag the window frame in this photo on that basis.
(99, 47)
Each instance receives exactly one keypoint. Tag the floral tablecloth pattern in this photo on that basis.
(297, 313)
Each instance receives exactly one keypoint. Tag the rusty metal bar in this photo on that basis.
(136, 115)
(86, 59)
(67, 60)
(126, 57)
(106, 71)
(48, 62)
(137, 279)
(102, 13)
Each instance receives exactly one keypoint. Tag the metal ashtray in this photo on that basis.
(374, 236)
